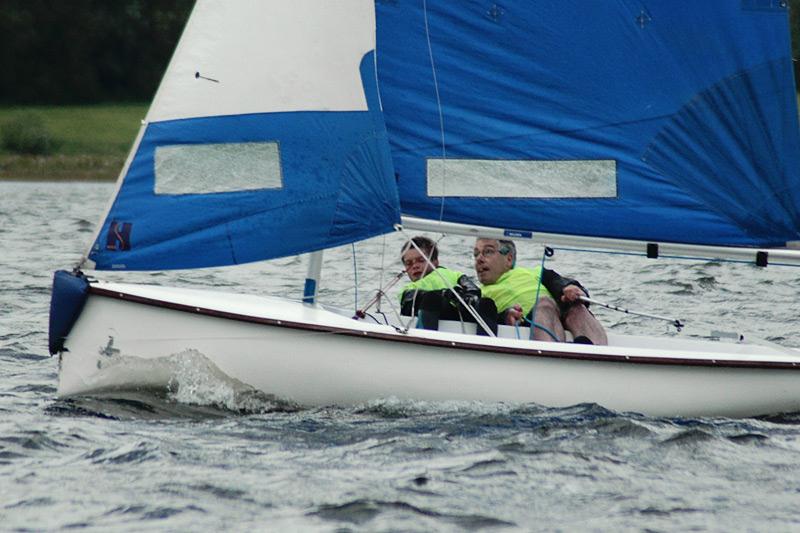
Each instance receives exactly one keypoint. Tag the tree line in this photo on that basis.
(88, 51)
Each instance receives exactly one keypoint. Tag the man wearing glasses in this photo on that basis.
(518, 291)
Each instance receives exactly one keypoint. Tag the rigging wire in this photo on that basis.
(674, 321)
(677, 323)
(478, 319)
(360, 313)
(380, 279)
(534, 325)
(438, 106)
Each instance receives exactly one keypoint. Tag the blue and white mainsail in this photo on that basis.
(265, 139)
(652, 120)
(648, 120)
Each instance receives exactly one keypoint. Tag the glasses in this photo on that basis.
(489, 252)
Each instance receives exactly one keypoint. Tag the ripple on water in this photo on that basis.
(665, 511)
(13, 351)
(31, 440)
(84, 226)
(148, 512)
(689, 437)
(7, 457)
(32, 502)
(748, 438)
(488, 468)
(362, 511)
(707, 282)
(199, 491)
(138, 452)
(226, 493)
(789, 419)
(132, 406)
(44, 388)
(621, 427)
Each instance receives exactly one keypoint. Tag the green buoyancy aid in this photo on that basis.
(517, 286)
(433, 281)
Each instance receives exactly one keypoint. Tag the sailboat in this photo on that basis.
(286, 128)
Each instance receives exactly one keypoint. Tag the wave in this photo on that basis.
(184, 385)
(363, 511)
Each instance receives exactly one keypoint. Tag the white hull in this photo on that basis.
(313, 356)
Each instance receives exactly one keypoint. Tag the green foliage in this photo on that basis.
(83, 51)
(26, 133)
(96, 130)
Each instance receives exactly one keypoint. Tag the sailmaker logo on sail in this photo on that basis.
(119, 236)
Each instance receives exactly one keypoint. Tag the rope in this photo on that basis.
(380, 280)
(541, 327)
(534, 325)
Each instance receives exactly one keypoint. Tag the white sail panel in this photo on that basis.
(196, 168)
(481, 178)
(232, 59)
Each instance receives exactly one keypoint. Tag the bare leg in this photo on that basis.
(582, 322)
(548, 315)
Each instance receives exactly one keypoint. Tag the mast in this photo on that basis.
(313, 277)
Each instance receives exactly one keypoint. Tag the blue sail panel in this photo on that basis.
(333, 184)
(656, 120)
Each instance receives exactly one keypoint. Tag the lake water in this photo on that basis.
(201, 459)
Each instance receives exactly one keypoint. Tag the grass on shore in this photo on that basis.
(92, 142)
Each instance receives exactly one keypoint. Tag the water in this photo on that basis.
(207, 457)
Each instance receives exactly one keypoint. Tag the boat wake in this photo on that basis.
(196, 380)
(184, 384)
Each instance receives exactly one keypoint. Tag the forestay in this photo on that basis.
(265, 139)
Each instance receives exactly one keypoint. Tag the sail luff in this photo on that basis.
(85, 262)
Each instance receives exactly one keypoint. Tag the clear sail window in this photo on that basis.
(481, 178)
(213, 168)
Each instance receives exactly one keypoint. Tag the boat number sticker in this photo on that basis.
(119, 236)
